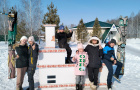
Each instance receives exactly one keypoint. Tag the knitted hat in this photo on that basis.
(80, 46)
(23, 37)
(113, 41)
(61, 27)
(31, 38)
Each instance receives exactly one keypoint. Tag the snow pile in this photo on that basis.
(5, 83)
(131, 78)
(133, 43)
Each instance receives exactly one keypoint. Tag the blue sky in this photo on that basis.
(71, 11)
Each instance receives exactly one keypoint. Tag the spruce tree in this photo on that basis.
(51, 17)
(81, 32)
(96, 29)
(67, 31)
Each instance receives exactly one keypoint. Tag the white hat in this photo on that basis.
(31, 38)
(23, 37)
(80, 46)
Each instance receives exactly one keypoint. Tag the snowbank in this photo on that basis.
(133, 41)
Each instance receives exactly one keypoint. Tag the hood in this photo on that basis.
(95, 38)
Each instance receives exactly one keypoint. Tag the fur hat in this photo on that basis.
(23, 37)
(95, 38)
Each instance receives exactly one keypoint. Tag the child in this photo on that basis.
(109, 59)
(95, 52)
(81, 60)
(33, 56)
(62, 41)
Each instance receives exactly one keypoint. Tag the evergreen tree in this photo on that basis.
(81, 32)
(67, 31)
(96, 29)
(51, 17)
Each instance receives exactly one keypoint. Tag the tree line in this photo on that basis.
(133, 28)
(31, 20)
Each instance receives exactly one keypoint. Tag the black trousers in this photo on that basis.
(31, 72)
(110, 69)
(68, 49)
(93, 75)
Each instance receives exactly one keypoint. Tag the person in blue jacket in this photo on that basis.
(109, 59)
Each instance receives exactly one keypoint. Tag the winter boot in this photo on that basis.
(94, 87)
(91, 84)
(77, 86)
(116, 77)
(80, 87)
(70, 61)
(109, 87)
(66, 61)
(28, 88)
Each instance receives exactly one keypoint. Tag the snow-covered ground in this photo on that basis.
(130, 80)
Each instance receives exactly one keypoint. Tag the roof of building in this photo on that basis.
(102, 24)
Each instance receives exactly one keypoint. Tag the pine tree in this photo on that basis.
(51, 17)
(96, 29)
(67, 31)
(81, 32)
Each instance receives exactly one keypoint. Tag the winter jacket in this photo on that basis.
(22, 52)
(33, 56)
(94, 53)
(62, 39)
(108, 52)
(81, 59)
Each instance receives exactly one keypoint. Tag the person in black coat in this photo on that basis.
(21, 61)
(109, 59)
(95, 52)
(62, 41)
(33, 56)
